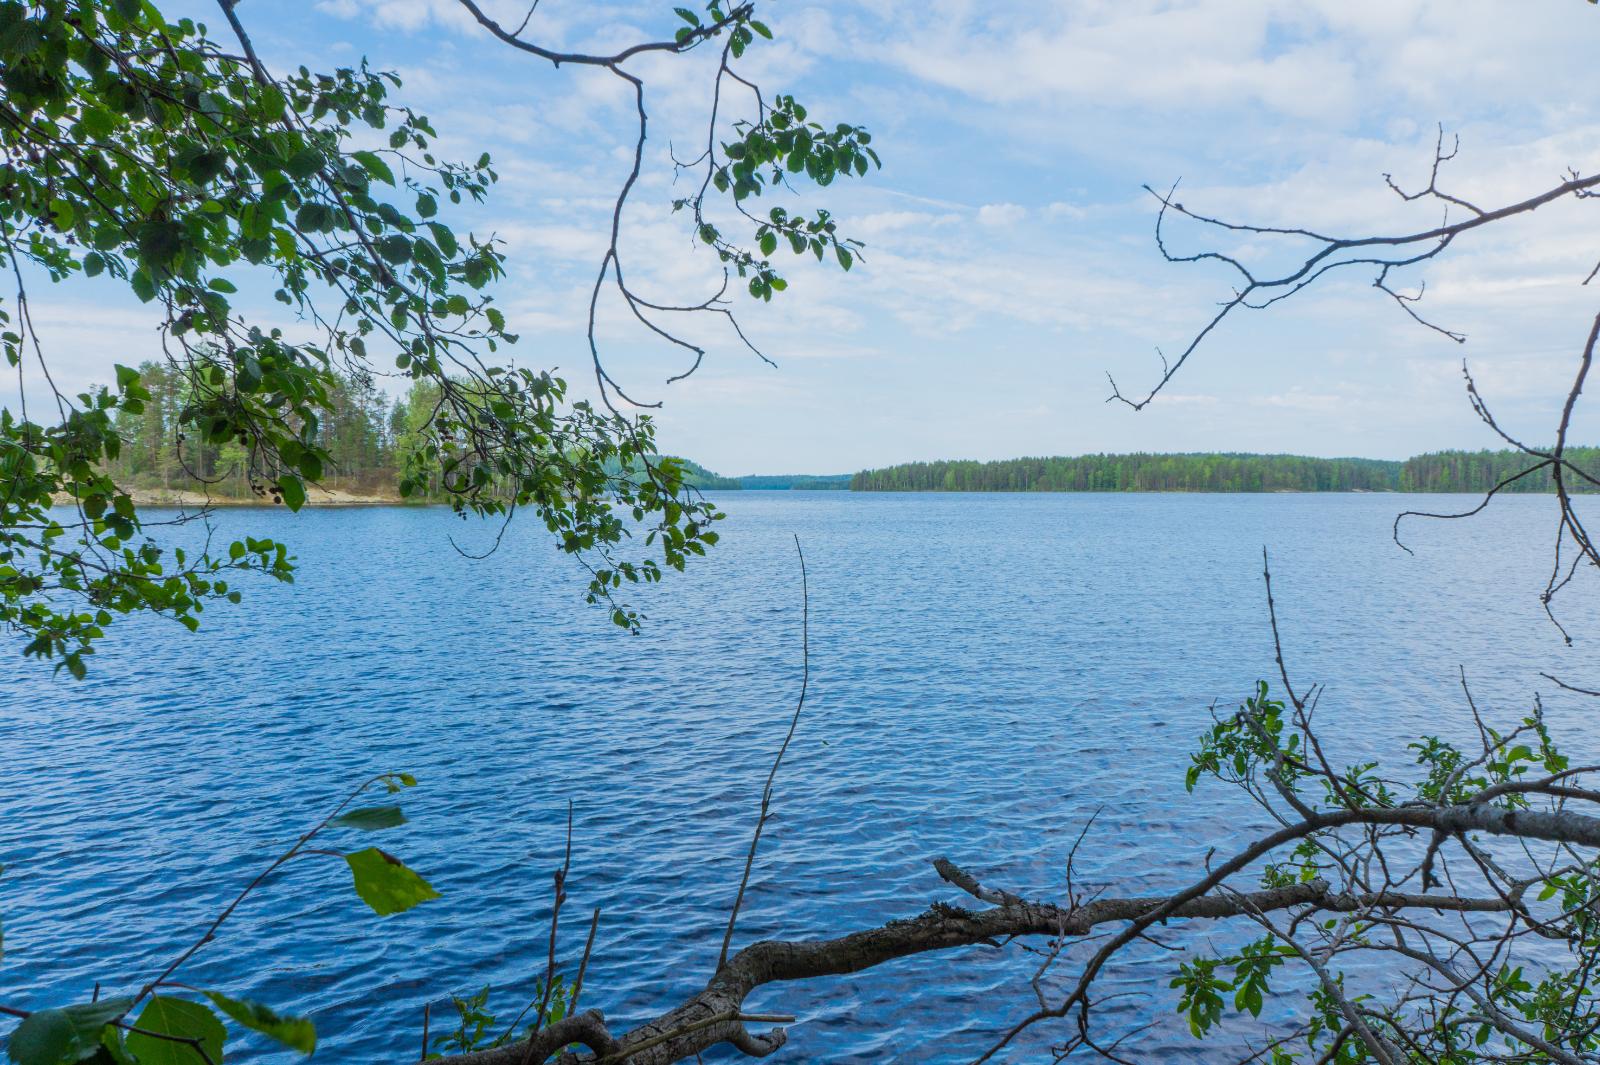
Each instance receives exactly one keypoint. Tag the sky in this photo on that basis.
(1010, 263)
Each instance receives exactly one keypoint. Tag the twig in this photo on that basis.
(211, 930)
(766, 792)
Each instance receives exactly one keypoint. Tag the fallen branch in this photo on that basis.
(716, 1015)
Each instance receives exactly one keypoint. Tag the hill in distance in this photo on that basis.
(705, 480)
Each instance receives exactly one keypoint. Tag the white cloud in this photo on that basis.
(1006, 239)
(1001, 214)
(1301, 400)
(879, 223)
(401, 14)
(1299, 58)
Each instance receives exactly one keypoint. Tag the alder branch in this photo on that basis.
(712, 1016)
(1368, 846)
(1386, 253)
(1408, 249)
(298, 847)
(611, 265)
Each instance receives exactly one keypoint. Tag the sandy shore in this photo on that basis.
(315, 497)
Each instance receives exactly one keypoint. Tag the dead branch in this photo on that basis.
(712, 1016)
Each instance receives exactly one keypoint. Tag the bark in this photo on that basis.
(714, 1015)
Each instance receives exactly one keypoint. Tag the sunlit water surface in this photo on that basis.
(986, 672)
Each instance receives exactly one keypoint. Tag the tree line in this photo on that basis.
(367, 436)
(1441, 471)
(370, 438)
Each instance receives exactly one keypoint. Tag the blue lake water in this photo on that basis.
(986, 672)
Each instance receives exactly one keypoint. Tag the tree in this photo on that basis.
(1450, 868)
(143, 150)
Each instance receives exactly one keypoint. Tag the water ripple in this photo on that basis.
(987, 671)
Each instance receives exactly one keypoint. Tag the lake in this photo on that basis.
(986, 672)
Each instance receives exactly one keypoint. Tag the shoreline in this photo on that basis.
(320, 498)
(315, 497)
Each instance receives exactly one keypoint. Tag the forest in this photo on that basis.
(366, 436)
(1346, 862)
(1441, 471)
(369, 438)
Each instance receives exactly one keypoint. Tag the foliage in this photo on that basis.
(165, 1020)
(369, 443)
(1486, 1008)
(67, 1034)
(296, 1033)
(1479, 471)
(173, 1030)
(1445, 471)
(140, 151)
(356, 431)
(384, 882)
(781, 142)
(477, 1028)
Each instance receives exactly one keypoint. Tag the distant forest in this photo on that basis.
(367, 435)
(1441, 471)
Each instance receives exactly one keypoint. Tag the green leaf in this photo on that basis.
(187, 1024)
(444, 238)
(297, 1033)
(304, 163)
(293, 491)
(161, 242)
(142, 286)
(385, 884)
(375, 166)
(396, 249)
(372, 818)
(66, 1035)
(97, 122)
(313, 218)
(114, 1050)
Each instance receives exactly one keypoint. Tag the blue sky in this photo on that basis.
(1009, 260)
